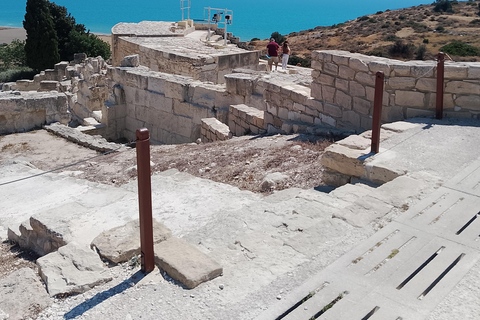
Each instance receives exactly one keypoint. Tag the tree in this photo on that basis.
(278, 37)
(12, 55)
(443, 6)
(41, 46)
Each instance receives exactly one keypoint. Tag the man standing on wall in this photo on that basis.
(272, 51)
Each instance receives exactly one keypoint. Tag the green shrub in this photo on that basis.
(391, 37)
(443, 6)
(12, 55)
(379, 12)
(378, 52)
(459, 48)
(420, 54)
(425, 40)
(475, 21)
(364, 18)
(254, 39)
(371, 20)
(440, 29)
(278, 37)
(401, 17)
(400, 49)
(294, 60)
(12, 75)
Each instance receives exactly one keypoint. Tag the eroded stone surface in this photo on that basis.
(72, 269)
(122, 243)
(185, 263)
(22, 295)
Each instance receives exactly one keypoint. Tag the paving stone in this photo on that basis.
(399, 126)
(26, 295)
(120, 244)
(72, 270)
(185, 263)
(355, 142)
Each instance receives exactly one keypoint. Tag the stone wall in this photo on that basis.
(345, 83)
(170, 106)
(214, 130)
(243, 120)
(24, 111)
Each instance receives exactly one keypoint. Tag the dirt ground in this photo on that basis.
(243, 162)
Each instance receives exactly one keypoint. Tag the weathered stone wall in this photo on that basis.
(243, 120)
(23, 111)
(170, 106)
(214, 130)
(345, 83)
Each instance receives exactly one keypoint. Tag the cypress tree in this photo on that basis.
(41, 46)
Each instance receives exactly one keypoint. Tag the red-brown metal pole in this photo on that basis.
(377, 111)
(145, 199)
(440, 81)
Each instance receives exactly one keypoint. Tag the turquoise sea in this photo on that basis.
(251, 18)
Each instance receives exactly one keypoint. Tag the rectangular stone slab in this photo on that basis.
(185, 263)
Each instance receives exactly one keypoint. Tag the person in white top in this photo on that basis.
(286, 54)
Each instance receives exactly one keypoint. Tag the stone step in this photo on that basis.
(90, 122)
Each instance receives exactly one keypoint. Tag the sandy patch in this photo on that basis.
(7, 34)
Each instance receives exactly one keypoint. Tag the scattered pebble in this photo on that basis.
(279, 297)
(221, 287)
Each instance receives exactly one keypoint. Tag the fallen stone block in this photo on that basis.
(130, 61)
(185, 263)
(71, 270)
(120, 244)
(26, 295)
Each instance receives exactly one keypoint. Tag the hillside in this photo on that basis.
(409, 29)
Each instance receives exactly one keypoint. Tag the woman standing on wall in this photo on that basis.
(286, 54)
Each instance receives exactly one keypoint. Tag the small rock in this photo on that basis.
(221, 287)
(192, 296)
(279, 297)
(198, 141)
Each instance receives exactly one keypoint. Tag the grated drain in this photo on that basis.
(302, 301)
(390, 256)
(442, 197)
(440, 277)
(371, 313)
(423, 265)
(445, 211)
(467, 224)
(329, 306)
(378, 244)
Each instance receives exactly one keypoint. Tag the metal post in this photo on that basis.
(377, 111)
(145, 199)
(225, 38)
(440, 81)
(209, 19)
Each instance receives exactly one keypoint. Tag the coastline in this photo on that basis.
(8, 34)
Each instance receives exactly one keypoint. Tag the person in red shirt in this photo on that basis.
(272, 51)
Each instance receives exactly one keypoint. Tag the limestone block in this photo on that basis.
(365, 78)
(136, 78)
(156, 83)
(345, 72)
(306, 118)
(338, 158)
(425, 84)
(342, 84)
(362, 106)
(462, 87)
(426, 71)
(316, 74)
(414, 113)
(357, 90)
(401, 70)
(341, 60)
(328, 94)
(317, 65)
(293, 116)
(473, 72)
(317, 55)
(176, 88)
(351, 117)
(363, 211)
(342, 99)
(328, 120)
(315, 104)
(330, 68)
(297, 107)
(224, 100)
(159, 102)
(185, 263)
(49, 85)
(366, 122)
(409, 98)
(122, 243)
(316, 89)
(326, 79)
(71, 270)
(380, 66)
(468, 102)
(358, 65)
(335, 179)
(23, 295)
(392, 113)
(455, 71)
(283, 113)
(403, 83)
(379, 173)
(300, 94)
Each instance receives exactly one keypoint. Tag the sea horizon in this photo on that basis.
(251, 19)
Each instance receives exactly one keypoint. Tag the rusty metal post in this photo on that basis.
(145, 199)
(377, 111)
(440, 81)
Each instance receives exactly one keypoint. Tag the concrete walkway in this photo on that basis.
(408, 249)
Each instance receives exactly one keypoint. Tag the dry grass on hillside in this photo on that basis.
(377, 32)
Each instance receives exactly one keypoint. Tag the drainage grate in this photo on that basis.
(302, 301)
(440, 277)
(371, 313)
(423, 265)
(467, 224)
